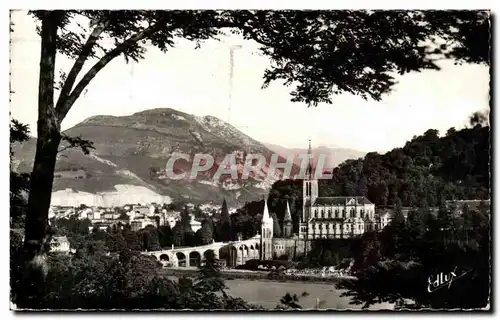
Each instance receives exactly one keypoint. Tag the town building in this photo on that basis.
(195, 225)
(60, 244)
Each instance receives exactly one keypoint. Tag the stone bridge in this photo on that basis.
(234, 253)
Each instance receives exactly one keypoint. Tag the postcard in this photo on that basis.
(250, 160)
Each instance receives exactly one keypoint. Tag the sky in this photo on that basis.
(197, 82)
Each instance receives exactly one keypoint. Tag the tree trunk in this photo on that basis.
(42, 176)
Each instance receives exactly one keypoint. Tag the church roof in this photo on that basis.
(341, 201)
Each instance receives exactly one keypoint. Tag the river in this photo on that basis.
(268, 294)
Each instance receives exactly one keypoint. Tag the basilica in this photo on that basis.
(322, 218)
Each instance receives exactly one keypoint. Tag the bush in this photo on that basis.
(94, 280)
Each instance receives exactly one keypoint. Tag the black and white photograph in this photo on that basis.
(250, 160)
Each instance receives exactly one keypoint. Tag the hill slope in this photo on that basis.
(132, 152)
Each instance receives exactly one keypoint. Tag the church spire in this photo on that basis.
(310, 166)
(265, 215)
(288, 215)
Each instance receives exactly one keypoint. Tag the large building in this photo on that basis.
(335, 217)
(342, 218)
(322, 218)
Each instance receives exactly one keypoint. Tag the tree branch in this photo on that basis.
(63, 149)
(77, 142)
(77, 67)
(66, 104)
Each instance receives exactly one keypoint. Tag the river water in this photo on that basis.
(268, 293)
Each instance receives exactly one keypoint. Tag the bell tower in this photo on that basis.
(309, 187)
(266, 238)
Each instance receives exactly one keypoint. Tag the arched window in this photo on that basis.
(315, 213)
(361, 213)
(329, 213)
(343, 213)
(336, 213)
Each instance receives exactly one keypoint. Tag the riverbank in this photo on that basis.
(258, 275)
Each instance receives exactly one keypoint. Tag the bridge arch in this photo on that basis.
(164, 257)
(229, 253)
(252, 252)
(181, 258)
(209, 254)
(194, 259)
(233, 253)
(247, 252)
(241, 255)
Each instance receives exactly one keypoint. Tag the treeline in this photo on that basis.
(94, 279)
(402, 263)
(426, 171)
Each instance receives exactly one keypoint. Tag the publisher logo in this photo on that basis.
(443, 279)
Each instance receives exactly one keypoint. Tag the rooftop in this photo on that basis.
(323, 201)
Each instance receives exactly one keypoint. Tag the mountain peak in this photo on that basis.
(133, 150)
(160, 112)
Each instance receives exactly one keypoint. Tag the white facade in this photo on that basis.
(336, 217)
(195, 225)
(171, 221)
(266, 237)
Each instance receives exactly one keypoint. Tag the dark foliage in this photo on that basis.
(407, 255)
(19, 182)
(426, 170)
(289, 302)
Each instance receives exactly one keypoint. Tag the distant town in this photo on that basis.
(139, 216)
